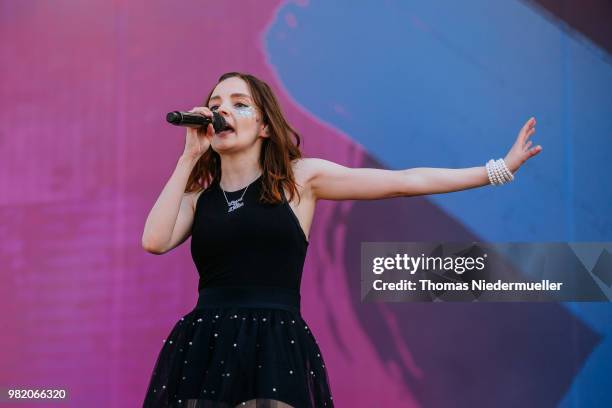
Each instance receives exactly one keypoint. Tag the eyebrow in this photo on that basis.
(232, 95)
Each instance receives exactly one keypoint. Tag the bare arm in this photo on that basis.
(427, 180)
(169, 221)
(332, 181)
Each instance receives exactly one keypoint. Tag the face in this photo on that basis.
(232, 99)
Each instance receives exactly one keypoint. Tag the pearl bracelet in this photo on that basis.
(501, 179)
(498, 172)
(508, 174)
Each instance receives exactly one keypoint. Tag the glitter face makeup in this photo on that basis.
(245, 111)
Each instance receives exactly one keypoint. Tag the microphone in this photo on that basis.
(196, 120)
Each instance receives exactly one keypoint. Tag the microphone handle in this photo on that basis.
(195, 120)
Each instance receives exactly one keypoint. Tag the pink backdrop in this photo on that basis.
(86, 151)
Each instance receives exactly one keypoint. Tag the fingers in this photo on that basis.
(210, 130)
(534, 151)
(527, 129)
(530, 132)
(533, 121)
(202, 110)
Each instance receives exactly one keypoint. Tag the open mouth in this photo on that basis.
(226, 130)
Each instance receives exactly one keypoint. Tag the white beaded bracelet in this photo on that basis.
(501, 178)
(489, 168)
(508, 174)
(498, 172)
(492, 173)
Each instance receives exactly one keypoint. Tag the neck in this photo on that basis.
(238, 171)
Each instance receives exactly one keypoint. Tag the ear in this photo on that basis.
(264, 131)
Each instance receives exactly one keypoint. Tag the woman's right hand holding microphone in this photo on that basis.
(197, 140)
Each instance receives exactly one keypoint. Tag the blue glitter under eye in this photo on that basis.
(245, 111)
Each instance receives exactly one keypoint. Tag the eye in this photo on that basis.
(215, 107)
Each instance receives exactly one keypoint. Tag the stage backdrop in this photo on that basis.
(85, 151)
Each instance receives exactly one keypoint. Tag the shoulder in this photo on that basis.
(305, 169)
(308, 169)
(311, 172)
(194, 196)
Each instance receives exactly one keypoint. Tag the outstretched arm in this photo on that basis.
(331, 181)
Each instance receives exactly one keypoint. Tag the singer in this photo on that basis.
(246, 196)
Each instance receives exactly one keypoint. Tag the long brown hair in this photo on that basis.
(277, 150)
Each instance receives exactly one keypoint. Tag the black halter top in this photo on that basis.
(257, 244)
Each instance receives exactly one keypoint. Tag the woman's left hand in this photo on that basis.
(521, 151)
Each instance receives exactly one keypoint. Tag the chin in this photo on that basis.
(224, 146)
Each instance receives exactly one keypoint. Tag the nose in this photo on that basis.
(223, 111)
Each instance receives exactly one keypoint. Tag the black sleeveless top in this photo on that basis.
(258, 244)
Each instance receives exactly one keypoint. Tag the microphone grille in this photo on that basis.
(218, 122)
(173, 117)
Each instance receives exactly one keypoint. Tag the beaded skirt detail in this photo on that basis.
(241, 347)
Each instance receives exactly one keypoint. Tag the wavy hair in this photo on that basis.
(277, 151)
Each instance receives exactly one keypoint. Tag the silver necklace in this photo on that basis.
(235, 204)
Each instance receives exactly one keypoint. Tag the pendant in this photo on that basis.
(235, 204)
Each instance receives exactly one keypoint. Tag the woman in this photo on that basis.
(247, 198)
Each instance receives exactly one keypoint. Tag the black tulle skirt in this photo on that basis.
(241, 347)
